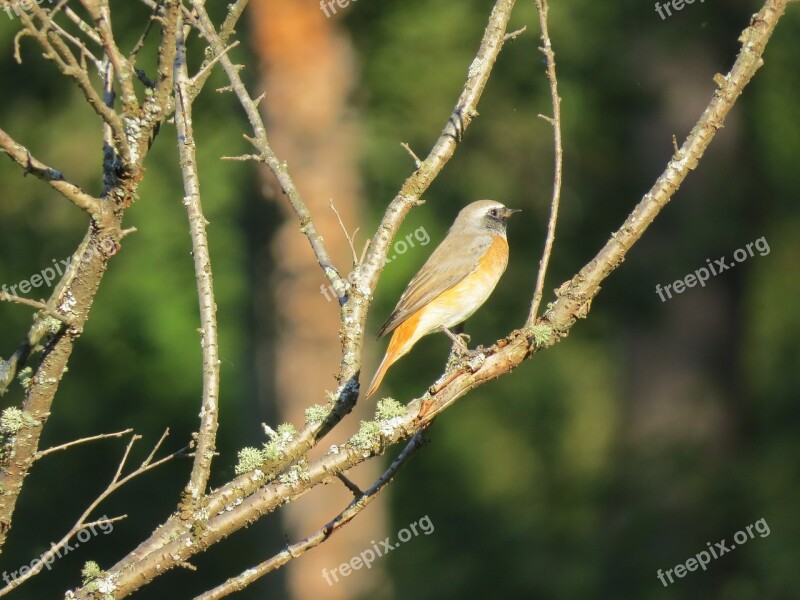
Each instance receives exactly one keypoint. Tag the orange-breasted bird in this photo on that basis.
(454, 282)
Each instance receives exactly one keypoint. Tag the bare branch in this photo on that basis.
(550, 57)
(296, 550)
(102, 436)
(346, 235)
(38, 304)
(209, 413)
(22, 156)
(82, 523)
(267, 155)
(101, 13)
(56, 50)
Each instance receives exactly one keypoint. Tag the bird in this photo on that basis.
(455, 281)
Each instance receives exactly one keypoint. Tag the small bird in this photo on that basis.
(454, 282)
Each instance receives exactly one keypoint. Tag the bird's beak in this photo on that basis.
(507, 212)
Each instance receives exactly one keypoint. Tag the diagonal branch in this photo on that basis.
(297, 549)
(267, 155)
(555, 121)
(22, 156)
(465, 111)
(92, 438)
(209, 420)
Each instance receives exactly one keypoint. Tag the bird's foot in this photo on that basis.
(459, 342)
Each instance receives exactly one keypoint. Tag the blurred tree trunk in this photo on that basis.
(308, 71)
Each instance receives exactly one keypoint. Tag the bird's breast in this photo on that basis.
(457, 304)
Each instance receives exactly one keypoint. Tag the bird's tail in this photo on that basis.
(387, 361)
(402, 339)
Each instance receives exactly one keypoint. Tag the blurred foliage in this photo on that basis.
(575, 477)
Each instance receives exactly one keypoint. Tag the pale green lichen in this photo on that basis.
(541, 334)
(367, 437)
(272, 451)
(388, 409)
(316, 414)
(295, 474)
(13, 419)
(249, 460)
(286, 431)
(25, 378)
(91, 571)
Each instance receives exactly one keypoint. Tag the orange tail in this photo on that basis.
(403, 338)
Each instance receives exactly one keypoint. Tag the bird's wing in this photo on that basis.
(456, 257)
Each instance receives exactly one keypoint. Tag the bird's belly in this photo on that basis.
(461, 301)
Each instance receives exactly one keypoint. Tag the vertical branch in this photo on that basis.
(206, 436)
(555, 121)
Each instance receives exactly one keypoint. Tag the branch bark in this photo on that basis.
(23, 157)
(550, 58)
(209, 413)
(296, 550)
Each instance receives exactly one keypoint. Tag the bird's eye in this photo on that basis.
(493, 212)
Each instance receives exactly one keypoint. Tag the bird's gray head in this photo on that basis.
(484, 214)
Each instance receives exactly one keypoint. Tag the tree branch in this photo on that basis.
(22, 156)
(102, 436)
(198, 481)
(297, 549)
(37, 304)
(267, 155)
(555, 121)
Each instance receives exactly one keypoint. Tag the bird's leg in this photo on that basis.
(459, 338)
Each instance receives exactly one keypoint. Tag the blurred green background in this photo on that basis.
(656, 427)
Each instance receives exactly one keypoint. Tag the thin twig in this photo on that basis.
(102, 436)
(346, 235)
(415, 158)
(201, 74)
(56, 50)
(550, 57)
(22, 156)
(37, 304)
(82, 25)
(350, 485)
(209, 413)
(81, 523)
